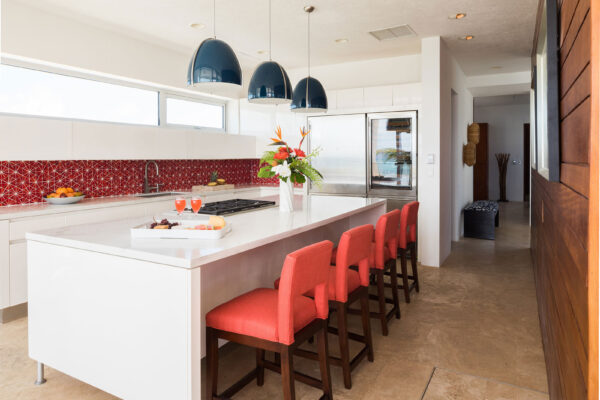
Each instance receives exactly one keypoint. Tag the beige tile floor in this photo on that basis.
(471, 333)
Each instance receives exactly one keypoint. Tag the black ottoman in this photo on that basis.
(481, 218)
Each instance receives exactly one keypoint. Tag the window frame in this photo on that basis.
(162, 93)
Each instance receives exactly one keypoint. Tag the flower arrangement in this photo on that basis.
(289, 163)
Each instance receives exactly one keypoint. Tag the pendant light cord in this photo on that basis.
(270, 35)
(308, 45)
(214, 19)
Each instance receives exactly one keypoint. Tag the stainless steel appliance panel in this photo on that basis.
(342, 160)
(392, 152)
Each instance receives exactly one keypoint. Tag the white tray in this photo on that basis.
(179, 232)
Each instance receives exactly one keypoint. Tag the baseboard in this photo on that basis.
(12, 313)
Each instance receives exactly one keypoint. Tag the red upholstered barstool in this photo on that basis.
(407, 239)
(346, 286)
(382, 260)
(278, 321)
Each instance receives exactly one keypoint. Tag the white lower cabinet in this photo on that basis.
(18, 273)
(4, 265)
(13, 247)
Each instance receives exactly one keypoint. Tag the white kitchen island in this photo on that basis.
(127, 315)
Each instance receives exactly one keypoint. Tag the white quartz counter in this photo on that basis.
(38, 209)
(249, 230)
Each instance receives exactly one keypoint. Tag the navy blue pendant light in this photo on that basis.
(309, 95)
(214, 63)
(270, 83)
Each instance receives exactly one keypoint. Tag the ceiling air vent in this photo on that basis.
(395, 32)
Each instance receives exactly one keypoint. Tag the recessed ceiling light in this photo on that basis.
(457, 16)
(468, 37)
(343, 40)
(197, 25)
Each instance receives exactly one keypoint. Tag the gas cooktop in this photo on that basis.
(232, 206)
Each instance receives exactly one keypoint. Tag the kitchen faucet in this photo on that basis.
(147, 188)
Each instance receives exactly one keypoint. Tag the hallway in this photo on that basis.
(471, 333)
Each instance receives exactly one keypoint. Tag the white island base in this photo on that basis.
(127, 315)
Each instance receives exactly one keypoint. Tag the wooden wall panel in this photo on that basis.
(560, 230)
(577, 58)
(568, 40)
(575, 135)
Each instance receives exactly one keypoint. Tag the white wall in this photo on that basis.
(31, 32)
(429, 147)
(456, 177)
(505, 135)
(358, 74)
(445, 177)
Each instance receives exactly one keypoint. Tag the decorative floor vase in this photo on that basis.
(286, 196)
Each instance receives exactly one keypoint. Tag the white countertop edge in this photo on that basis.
(187, 263)
(39, 209)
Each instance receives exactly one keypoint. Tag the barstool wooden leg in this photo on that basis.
(381, 298)
(323, 350)
(405, 284)
(260, 367)
(212, 363)
(287, 373)
(413, 262)
(344, 347)
(394, 284)
(366, 323)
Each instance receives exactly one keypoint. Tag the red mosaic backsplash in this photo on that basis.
(23, 182)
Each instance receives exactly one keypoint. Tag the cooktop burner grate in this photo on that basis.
(232, 206)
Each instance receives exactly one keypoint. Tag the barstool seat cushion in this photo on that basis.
(255, 314)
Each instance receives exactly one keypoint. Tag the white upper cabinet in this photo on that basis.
(34, 138)
(350, 98)
(379, 96)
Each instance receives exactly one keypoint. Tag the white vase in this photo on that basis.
(286, 196)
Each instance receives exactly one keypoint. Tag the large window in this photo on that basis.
(31, 92)
(194, 113)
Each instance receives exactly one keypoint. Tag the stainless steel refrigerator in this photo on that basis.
(369, 155)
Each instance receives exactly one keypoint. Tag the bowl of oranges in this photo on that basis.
(64, 195)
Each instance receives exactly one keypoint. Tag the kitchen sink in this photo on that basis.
(159, 194)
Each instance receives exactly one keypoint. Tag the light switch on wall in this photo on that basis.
(430, 159)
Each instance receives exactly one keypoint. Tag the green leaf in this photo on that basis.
(299, 178)
(265, 172)
(267, 157)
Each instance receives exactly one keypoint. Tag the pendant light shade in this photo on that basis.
(309, 96)
(270, 84)
(214, 62)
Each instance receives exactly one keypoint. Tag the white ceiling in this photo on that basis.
(503, 29)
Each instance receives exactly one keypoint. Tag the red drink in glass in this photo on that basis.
(180, 205)
(196, 204)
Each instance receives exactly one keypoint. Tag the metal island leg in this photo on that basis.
(40, 374)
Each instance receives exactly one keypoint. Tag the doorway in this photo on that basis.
(480, 169)
(526, 163)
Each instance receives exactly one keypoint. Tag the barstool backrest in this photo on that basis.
(386, 237)
(303, 270)
(354, 249)
(407, 232)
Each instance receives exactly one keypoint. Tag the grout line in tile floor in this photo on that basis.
(480, 377)
(428, 382)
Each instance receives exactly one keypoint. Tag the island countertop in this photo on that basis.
(249, 230)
